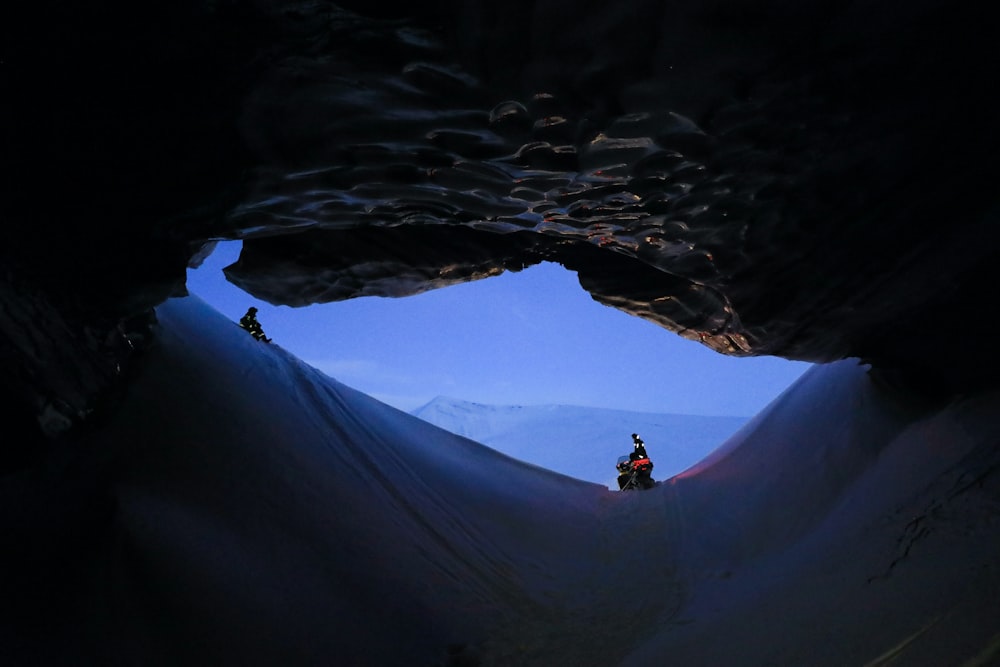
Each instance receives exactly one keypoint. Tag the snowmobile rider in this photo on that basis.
(639, 447)
(637, 472)
(250, 323)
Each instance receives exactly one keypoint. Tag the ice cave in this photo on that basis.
(815, 182)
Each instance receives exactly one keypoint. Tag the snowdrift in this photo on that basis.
(242, 508)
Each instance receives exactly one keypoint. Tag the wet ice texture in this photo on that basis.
(807, 182)
(739, 183)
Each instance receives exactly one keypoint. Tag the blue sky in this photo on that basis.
(529, 338)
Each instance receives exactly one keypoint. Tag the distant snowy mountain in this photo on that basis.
(582, 442)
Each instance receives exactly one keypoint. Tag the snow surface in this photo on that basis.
(255, 512)
(582, 442)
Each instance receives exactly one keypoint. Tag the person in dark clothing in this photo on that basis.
(639, 447)
(250, 323)
(636, 472)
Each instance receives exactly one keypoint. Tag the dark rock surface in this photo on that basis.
(812, 182)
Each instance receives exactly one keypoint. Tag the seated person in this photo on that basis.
(250, 323)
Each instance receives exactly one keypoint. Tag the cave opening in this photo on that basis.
(528, 338)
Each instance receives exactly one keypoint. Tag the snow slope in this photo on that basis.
(582, 442)
(248, 510)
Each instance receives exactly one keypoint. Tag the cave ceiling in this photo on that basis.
(813, 183)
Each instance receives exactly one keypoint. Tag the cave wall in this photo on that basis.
(768, 179)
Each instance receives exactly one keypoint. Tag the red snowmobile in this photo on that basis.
(634, 472)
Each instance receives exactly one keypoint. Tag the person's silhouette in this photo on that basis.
(250, 323)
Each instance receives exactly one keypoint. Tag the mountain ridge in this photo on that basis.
(598, 435)
(453, 400)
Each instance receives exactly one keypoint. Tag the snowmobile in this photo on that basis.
(634, 472)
